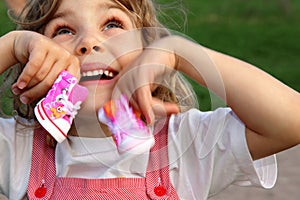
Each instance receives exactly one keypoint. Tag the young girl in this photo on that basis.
(196, 154)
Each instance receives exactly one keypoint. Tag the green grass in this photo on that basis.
(262, 32)
(6, 24)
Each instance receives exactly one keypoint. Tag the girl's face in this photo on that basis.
(100, 33)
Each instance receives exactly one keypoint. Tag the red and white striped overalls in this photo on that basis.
(44, 184)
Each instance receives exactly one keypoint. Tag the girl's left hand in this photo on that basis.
(140, 79)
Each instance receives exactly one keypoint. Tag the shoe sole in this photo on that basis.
(48, 124)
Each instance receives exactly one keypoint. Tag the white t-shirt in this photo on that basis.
(207, 153)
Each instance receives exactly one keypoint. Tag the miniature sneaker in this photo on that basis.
(57, 110)
(128, 130)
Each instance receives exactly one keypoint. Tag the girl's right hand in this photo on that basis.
(42, 58)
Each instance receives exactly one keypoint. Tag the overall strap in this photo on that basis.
(158, 182)
(42, 173)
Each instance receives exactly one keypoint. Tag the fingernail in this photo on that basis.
(16, 91)
(24, 99)
(22, 85)
(150, 117)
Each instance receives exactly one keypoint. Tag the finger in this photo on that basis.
(50, 71)
(144, 99)
(40, 89)
(163, 109)
(15, 89)
(42, 73)
(32, 94)
(69, 63)
(74, 67)
(33, 65)
(133, 103)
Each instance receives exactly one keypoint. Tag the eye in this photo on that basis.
(62, 30)
(59, 109)
(112, 24)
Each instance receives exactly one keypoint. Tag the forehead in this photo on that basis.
(82, 6)
(93, 9)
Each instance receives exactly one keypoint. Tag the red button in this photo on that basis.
(160, 191)
(40, 192)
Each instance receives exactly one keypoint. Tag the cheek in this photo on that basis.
(128, 58)
(124, 43)
(67, 44)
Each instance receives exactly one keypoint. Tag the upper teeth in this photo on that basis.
(98, 72)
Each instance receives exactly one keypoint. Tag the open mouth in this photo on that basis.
(101, 74)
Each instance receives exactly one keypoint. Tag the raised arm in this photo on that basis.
(268, 108)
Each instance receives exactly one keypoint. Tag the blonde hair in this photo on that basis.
(37, 13)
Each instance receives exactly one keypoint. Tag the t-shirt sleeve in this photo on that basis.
(15, 158)
(4, 158)
(234, 163)
(208, 152)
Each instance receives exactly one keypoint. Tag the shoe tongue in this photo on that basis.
(78, 93)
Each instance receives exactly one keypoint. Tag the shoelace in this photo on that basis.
(69, 108)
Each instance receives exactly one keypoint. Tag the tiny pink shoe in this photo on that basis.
(128, 130)
(57, 110)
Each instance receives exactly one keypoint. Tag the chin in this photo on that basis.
(93, 103)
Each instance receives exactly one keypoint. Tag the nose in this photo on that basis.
(87, 49)
(87, 44)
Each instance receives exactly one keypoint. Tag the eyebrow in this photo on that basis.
(67, 12)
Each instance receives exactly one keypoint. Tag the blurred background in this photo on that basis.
(265, 33)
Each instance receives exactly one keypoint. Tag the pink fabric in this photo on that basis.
(156, 185)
